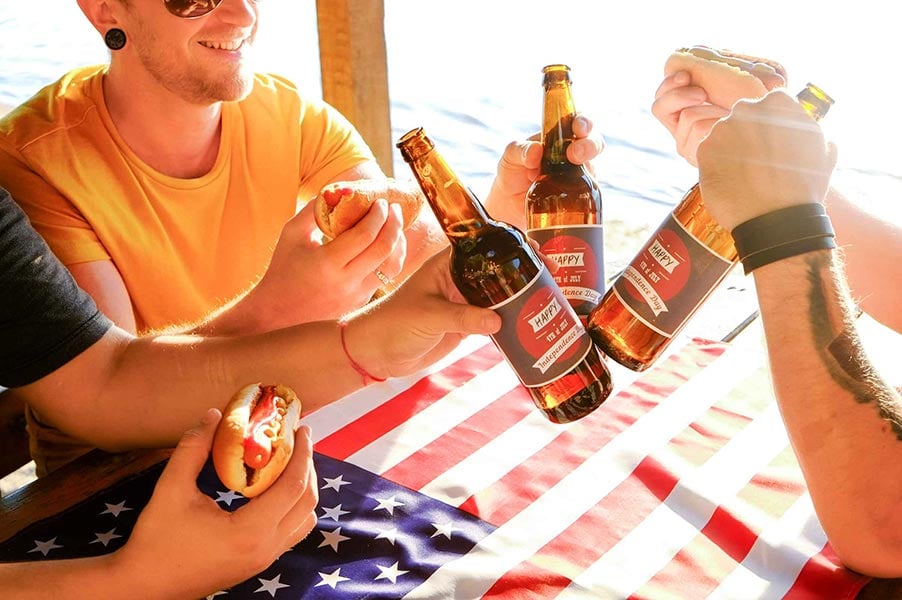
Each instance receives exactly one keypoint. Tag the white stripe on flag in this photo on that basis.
(781, 551)
(539, 523)
(685, 511)
(435, 420)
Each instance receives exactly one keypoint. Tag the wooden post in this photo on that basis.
(354, 70)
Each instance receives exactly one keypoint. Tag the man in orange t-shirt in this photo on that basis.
(168, 181)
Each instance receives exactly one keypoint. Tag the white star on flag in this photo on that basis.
(331, 579)
(388, 504)
(388, 534)
(106, 538)
(115, 509)
(335, 483)
(392, 572)
(45, 547)
(333, 539)
(335, 513)
(444, 529)
(270, 585)
(228, 497)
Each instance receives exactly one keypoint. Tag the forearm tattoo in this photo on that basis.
(843, 355)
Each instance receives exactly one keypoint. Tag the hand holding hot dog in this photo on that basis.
(701, 85)
(340, 205)
(207, 548)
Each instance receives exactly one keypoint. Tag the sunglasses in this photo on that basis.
(191, 9)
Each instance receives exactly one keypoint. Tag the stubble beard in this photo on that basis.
(197, 85)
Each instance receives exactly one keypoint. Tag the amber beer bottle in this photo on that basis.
(668, 280)
(563, 205)
(494, 266)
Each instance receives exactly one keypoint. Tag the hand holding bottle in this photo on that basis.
(564, 203)
(767, 155)
(415, 325)
(519, 167)
(674, 273)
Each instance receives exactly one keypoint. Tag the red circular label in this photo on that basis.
(544, 322)
(664, 264)
(578, 263)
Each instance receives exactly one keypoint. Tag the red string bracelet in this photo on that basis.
(367, 377)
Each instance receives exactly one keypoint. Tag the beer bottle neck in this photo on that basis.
(815, 101)
(557, 125)
(457, 209)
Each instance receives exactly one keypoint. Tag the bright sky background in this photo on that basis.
(483, 58)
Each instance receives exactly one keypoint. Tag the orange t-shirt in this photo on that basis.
(183, 246)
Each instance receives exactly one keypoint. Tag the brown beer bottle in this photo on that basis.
(668, 280)
(494, 266)
(563, 205)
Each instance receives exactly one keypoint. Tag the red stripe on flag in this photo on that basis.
(823, 577)
(457, 444)
(775, 487)
(428, 390)
(712, 430)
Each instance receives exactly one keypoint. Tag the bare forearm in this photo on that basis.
(844, 421)
(96, 578)
(871, 248)
(156, 388)
(77, 578)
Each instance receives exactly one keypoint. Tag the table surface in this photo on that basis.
(97, 470)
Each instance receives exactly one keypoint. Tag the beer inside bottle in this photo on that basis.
(671, 277)
(563, 205)
(493, 265)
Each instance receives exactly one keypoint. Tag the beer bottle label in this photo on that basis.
(579, 250)
(668, 280)
(540, 336)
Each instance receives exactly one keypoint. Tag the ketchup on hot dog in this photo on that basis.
(264, 423)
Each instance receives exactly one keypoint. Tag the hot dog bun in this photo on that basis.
(339, 206)
(229, 447)
(727, 76)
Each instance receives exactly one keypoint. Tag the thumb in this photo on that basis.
(468, 319)
(304, 222)
(193, 450)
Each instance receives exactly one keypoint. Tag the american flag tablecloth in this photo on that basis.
(451, 485)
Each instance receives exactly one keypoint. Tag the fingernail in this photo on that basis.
(581, 121)
(491, 323)
(579, 154)
(211, 415)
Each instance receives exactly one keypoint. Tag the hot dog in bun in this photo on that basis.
(727, 76)
(255, 438)
(339, 206)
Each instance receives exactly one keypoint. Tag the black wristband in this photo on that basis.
(783, 233)
(765, 257)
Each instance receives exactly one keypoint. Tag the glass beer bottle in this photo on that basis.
(668, 280)
(563, 205)
(493, 265)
